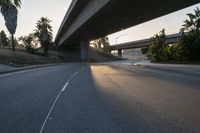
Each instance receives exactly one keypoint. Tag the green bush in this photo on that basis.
(29, 43)
(190, 37)
(145, 50)
(30, 49)
(4, 40)
(189, 44)
(157, 48)
(187, 48)
(174, 52)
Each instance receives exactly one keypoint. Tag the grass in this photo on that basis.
(97, 55)
(21, 58)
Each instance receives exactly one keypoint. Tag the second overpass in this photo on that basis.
(141, 43)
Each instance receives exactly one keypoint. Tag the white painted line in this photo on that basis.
(14, 73)
(63, 89)
(22, 71)
(58, 96)
(54, 103)
(49, 113)
(126, 63)
(76, 73)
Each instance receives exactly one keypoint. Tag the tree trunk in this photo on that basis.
(13, 43)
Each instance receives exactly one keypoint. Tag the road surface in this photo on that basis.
(101, 98)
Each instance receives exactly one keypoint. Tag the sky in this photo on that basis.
(32, 10)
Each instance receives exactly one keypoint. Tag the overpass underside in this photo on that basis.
(91, 19)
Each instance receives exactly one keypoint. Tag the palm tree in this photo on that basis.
(9, 12)
(102, 41)
(43, 32)
(194, 21)
(4, 40)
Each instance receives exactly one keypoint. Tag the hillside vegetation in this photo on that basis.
(21, 57)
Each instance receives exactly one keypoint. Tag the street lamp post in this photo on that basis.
(119, 37)
(119, 50)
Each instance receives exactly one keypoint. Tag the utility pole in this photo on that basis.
(119, 51)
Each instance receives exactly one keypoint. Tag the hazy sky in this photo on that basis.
(55, 10)
(32, 10)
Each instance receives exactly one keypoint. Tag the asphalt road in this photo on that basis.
(101, 98)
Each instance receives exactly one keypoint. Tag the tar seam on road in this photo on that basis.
(58, 96)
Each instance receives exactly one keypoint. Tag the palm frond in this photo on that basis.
(17, 3)
(191, 16)
(197, 12)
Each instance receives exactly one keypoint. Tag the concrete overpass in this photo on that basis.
(90, 19)
(141, 43)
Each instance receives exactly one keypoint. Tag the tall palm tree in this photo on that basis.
(9, 12)
(194, 21)
(43, 32)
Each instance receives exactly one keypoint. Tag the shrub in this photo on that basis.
(145, 50)
(29, 43)
(189, 44)
(157, 48)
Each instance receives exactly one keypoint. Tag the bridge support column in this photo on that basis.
(119, 52)
(84, 50)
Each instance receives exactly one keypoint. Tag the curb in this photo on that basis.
(27, 68)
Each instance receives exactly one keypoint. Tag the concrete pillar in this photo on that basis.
(119, 52)
(84, 50)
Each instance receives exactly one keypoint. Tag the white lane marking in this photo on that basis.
(63, 89)
(49, 113)
(14, 73)
(58, 96)
(21, 71)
